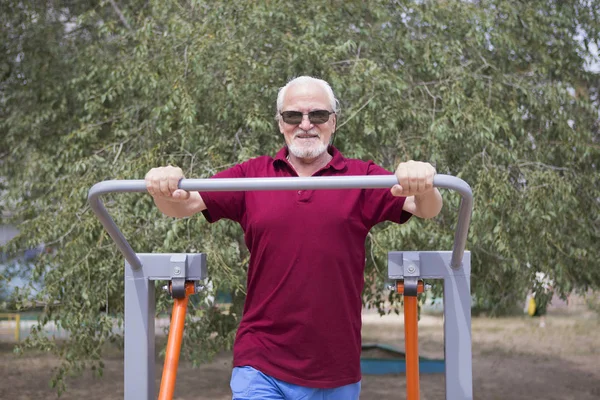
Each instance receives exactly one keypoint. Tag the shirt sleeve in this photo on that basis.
(380, 205)
(229, 205)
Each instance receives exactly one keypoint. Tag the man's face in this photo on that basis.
(307, 139)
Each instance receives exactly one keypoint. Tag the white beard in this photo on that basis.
(312, 151)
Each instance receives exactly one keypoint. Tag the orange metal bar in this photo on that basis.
(411, 337)
(411, 340)
(167, 384)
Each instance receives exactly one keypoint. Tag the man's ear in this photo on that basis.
(332, 140)
(280, 125)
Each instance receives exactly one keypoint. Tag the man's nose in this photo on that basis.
(305, 124)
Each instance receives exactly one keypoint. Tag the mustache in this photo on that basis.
(308, 132)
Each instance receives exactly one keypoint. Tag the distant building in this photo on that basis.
(8, 232)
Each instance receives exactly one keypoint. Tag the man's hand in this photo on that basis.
(414, 177)
(162, 184)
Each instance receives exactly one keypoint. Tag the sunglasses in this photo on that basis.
(315, 117)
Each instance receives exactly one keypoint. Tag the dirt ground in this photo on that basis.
(513, 358)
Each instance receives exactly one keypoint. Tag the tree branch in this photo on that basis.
(185, 57)
(540, 164)
(357, 111)
(120, 14)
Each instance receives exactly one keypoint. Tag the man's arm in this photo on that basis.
(162, 184)
(181, 208)
(426, 205)
(415, 182)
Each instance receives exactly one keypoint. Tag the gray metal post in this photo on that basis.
(457, 332)
(139, 335)
(453, 267)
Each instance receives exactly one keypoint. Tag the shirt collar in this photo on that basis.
(338, 162)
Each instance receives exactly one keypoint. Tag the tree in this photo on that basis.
(494, 92)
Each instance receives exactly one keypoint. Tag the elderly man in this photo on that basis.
(300, 334)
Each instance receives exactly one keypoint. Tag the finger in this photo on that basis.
(155, 186)
(149, 174)
(164, 186)
(397, 191)
(173, 183)
(149, 188)
(421, 184)
(181, 194)
(413, 178)
(430, 176)
(148, 181)
(403, 178)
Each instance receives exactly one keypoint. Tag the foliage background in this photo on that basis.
(494, 92)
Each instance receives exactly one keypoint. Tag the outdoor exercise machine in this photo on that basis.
(184, 271)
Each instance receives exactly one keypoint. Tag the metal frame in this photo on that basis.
(457, 311)
(140, 308)
(140, 269)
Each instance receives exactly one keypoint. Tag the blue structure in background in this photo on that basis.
(395, 364)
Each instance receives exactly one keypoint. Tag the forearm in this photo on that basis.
(429, 204)
(181, 209)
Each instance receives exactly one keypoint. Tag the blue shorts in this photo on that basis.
(248, 383)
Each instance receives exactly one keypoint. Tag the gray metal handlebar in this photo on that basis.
(254, 184)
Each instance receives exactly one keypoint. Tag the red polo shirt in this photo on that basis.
(302, 316)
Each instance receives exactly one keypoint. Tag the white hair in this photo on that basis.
(335, 104)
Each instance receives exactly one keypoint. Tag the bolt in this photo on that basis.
(411, 269)
(177, 271)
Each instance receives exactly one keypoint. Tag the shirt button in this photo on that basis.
(299, 191)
